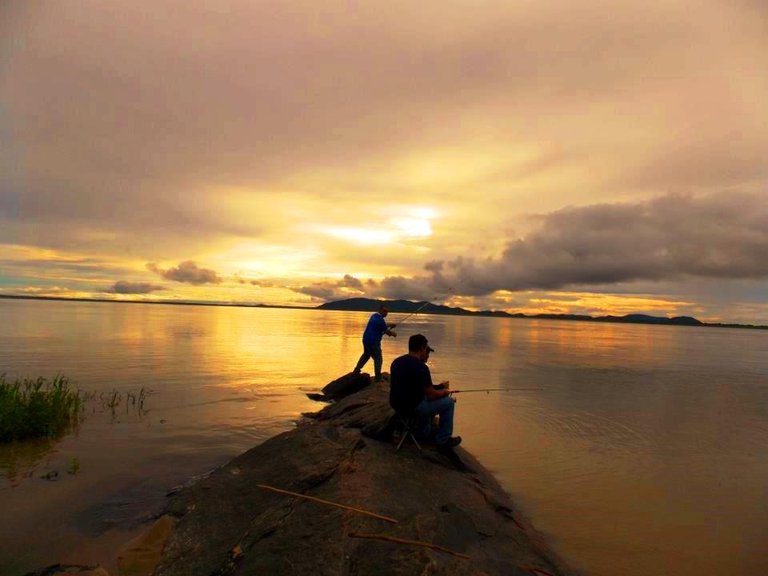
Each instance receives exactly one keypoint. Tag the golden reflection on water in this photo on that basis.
(596, 344)
(639, 449)
(503, 335)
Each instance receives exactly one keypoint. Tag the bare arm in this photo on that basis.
(437, 392)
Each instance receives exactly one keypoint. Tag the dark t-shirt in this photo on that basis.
(408, 378)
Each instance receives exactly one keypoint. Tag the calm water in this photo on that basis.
(639, 450)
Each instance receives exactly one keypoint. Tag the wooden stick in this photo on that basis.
(321, 501)
(536, 570)
(411, 542)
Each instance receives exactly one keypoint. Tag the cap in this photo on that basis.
(417, 342)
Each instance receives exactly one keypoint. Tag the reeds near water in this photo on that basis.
(38, 408)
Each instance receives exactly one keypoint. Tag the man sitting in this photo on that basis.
(411, 392)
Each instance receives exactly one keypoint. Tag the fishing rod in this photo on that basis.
(487, 390)
(420, 308)
(412, 313)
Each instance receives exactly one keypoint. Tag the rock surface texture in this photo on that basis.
(227, 524)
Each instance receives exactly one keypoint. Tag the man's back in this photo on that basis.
(374, 330)
(408, 377)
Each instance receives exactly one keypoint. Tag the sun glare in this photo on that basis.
(413, 227)
(363, 236)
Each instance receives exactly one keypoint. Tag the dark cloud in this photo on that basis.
(722, 236)
(187, 272)
(347, 287)
(319, 292)
(409, 288)
(351, 282)
(260, 283)
(125, 287)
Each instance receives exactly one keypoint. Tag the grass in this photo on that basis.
(112, 401)
(37, 408)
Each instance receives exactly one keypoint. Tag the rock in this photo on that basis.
(70, 570)
(346, 385)
(228, 524)
(142, 554)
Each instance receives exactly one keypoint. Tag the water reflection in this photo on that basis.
(643, 453)
(639, 449)
(20, 459)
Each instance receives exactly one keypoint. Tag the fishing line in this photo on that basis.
(489, 390)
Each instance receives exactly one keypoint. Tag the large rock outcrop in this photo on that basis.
(228, 524)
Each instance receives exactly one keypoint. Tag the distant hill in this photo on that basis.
(407, 306)
(404, 306)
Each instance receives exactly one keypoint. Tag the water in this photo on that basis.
(637, 449)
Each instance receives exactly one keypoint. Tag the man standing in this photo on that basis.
(374, 331)
(412, 392)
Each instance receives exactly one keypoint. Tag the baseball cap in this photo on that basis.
(418, 341)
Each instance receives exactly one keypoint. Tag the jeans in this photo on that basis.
(371, 352)
(442, 406)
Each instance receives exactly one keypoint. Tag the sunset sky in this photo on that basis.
(590, 157)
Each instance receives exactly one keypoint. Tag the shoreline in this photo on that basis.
(406, 512)
(329, 498)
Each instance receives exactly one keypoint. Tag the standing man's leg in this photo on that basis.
(377, 361)
(363, 359)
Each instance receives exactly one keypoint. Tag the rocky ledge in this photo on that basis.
(335, 497)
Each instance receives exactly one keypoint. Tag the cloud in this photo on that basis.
(232, 135)
(187, 272)
(723, 236)
(57, 291)
(351, 282)
(408, 288)
(45, 290)
(240, 97)
(347, 287)
(125, 287)
(319, 292)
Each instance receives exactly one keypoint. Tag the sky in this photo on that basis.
(587, 157)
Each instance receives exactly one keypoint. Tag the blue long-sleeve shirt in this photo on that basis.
(374, 330)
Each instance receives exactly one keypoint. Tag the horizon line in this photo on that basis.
(489, 313)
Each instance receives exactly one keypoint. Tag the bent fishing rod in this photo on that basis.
(420, 308)
(412, 313)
